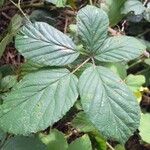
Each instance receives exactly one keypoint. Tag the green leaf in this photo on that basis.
(92, 23)
(24, 143)
(133, 6)
(147, 61)
(7, 70)
(5, 41)
(43, 44)
(100, 142)
(72, 3)
(147, 44)
(55, 140)
(2, 136)
(39, 100)
(82, 123)
(29, 67)
(134, 82)
(118, 68)
(147, 13)
(113, 9)
(82, 143)
(73, 28)
(120, 48)
(146, 73)
(1, 2)
(8, 82)
(14, 25)
(108, 103)
(43, 15)
(145, 127)
(119, 147)
(58, 3)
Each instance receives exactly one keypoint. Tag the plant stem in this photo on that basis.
(80, 65)
(110, 147)
(18, 6)
(93, 61)
(19, 2)
(145, 2)
(146, 31)
(90, 1)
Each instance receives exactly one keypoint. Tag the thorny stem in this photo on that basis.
(109, 146)
(80, 65)
(18, 6)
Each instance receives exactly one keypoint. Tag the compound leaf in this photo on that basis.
(108, 103)
(38, 100)
(120, 48)
(92, 23)
(45, 45)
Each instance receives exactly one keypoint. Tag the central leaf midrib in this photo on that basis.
(52, 41)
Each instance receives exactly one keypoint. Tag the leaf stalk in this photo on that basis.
(80, 65)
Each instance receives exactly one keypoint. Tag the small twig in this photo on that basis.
(146, 31)
(109, 146)
(6, 16)
(23, 6)
(19, 7)
(80, 65)
(19, 2)
(136, 63)
(123, 25)
(37, 6)
(66, 25)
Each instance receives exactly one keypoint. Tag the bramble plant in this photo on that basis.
(43, 97)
